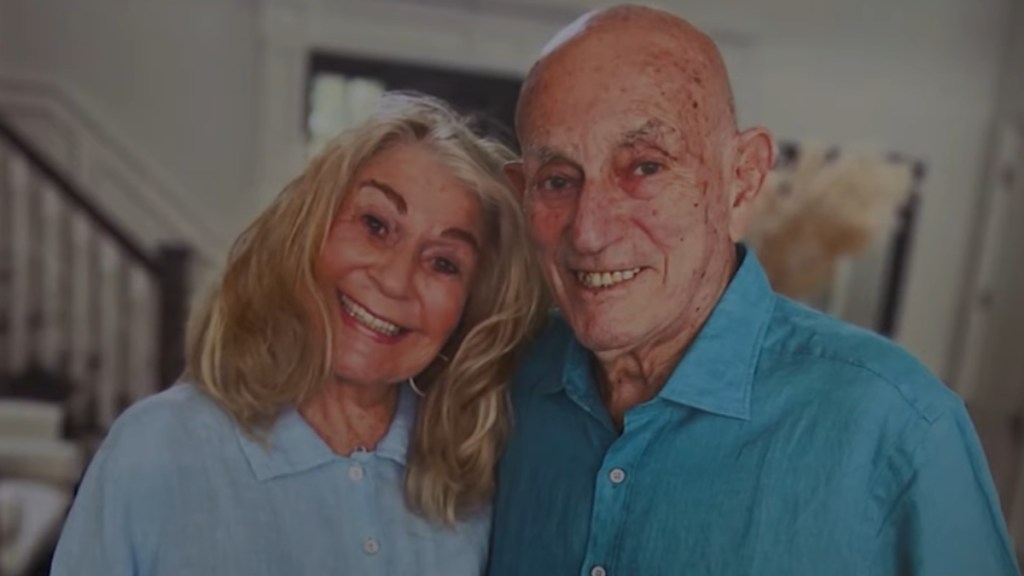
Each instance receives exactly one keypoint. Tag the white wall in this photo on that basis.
(173, 79)
(213, 88)
(931, 98)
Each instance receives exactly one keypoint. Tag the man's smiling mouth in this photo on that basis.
(605, 278)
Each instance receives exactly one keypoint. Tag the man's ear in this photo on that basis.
(755, 153)
(514, 173)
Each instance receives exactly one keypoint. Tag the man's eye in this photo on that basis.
(446, 266)
(555, 183)
(646, 169)
(375, 226)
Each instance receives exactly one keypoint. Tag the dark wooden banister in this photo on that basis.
(66, 188)
(168, 267)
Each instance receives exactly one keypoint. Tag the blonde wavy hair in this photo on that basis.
(256, 345)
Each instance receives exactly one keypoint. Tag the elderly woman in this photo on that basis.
(344, 404)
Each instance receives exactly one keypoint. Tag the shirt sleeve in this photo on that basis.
(113, 520)
(946, 520)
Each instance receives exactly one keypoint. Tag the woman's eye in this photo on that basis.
(646, 169)
(446, 266)
(375, 225)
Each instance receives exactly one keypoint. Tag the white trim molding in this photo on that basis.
(124, 182)
(975, 378)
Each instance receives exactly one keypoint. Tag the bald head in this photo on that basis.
(638, 39)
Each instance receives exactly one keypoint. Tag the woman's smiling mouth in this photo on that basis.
(367, 319)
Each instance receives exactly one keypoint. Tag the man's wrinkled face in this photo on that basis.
(624, 186)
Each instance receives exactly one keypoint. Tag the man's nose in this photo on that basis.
(595, 224)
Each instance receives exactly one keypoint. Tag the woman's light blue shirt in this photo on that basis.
(177, 488)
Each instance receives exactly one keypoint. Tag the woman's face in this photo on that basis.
(398, 264)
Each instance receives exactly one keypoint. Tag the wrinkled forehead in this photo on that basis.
(600, 137)
(632, 114)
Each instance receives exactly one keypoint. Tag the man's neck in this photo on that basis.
(631, 377)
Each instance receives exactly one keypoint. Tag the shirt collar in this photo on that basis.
(716, 374)
(293, 447)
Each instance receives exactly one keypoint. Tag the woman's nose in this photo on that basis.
(394, 275)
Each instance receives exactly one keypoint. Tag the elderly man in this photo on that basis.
(677, 416)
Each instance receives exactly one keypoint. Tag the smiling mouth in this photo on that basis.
(598, 280)
(368, 319)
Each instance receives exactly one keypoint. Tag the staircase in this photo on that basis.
(90, 322)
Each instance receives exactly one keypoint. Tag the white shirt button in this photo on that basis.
(617, 475)
(598, 571)
(371, 546)
(356, 472)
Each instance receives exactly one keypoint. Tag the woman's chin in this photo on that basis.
(359, 380)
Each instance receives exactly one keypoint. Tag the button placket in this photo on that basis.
(612, 486)
(359, 472)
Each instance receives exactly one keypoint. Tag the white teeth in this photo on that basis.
(606, 279)
(366, 318)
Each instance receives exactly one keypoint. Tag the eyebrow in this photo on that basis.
(547, 155)
(463, 235)
(403, 208)
(651, 132)
(397, 199)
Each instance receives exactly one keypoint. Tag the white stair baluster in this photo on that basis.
(6, 264)
(53, 304)
(20, 240)
(109, 301)
(143, 375)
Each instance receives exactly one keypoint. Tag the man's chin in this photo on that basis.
(604, 334)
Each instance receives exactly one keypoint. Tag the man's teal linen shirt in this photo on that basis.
(784, 443)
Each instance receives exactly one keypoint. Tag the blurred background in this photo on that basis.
(138, 137)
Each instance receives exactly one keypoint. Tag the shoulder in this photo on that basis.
(851, 365)
(158, 432)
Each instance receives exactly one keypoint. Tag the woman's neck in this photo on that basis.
(350, 417)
